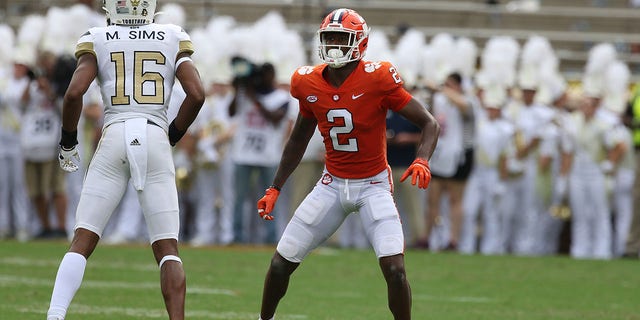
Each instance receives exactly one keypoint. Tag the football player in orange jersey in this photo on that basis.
(347, 99)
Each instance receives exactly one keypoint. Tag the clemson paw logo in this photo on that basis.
(372, 66)
(305, 70)
(327, 179)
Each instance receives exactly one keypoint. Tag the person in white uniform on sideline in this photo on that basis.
(521, 202)
(14, 201)
(485, 188)
(213, 209)
(622, 200)
(593, 158)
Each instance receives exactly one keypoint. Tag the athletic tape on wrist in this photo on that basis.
(68, 139)
(174, 133)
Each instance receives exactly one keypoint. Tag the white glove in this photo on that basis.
(69, 159)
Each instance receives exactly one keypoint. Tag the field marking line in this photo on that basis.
(156, 313)
(21, 261)
(11, 280)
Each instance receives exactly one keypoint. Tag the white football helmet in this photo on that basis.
(129, 12)
(346, 21)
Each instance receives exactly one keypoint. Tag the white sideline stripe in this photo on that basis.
(18, 261)
(157, 313)
(454, 299)
(10, 280)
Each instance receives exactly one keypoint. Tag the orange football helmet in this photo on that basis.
(345, 21)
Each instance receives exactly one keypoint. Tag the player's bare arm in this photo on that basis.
(291, 156)
(192, 86)
(86, 71)
(419, 170)
(415, 112)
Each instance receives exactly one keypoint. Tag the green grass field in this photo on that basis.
(121, 282)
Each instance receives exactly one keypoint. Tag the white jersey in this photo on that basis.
(11, 117)
(591, 137)
(492, 140)
(257, 141)
(449, 152)
(136, 68)
(530, 123)
(40, 123)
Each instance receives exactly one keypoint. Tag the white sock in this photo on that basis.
(260, 318)
(68, 281)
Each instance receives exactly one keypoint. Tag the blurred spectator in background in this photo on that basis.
(258, 110)
(615, 97)
(212, 190)
(521, 203)
(486, 188)
(453, 158)
(590, 180)
(14, 203)
(39, 139)
(553, 175)
(622, 193)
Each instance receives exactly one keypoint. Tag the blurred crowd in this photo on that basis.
(526, 163)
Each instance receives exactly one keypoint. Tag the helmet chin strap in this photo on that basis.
(336, 54)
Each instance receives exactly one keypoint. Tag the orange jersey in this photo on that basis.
(352, 118)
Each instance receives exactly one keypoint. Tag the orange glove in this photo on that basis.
(266, 203)
(420, 172)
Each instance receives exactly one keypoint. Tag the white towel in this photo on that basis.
(135, 139)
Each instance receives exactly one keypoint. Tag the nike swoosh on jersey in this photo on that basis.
(353, 96)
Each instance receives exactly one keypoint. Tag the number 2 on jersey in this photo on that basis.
(139, 78)
(352, 143)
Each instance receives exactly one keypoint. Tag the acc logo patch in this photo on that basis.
(327, 178)
(312, 98)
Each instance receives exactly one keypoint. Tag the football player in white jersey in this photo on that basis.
(136, 62)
